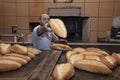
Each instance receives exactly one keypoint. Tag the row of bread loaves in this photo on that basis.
(14, 56)
(90, 59)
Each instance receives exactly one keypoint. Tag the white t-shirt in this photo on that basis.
(43, 42)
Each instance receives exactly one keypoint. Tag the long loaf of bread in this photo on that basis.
(92, 66)
(20, 56)
(110, 61)
(19, 49)
(63, 71)
(60, 46)
(8, 65)
(5, 48)
(58, 27)
(13, 58)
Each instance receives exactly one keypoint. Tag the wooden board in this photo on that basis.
(27, 70)
(46, 67)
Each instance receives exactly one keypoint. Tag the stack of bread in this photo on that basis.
(14, 56)
(89, 59)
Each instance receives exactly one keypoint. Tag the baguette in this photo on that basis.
(69, 53)
(92, 57)
(58, 27)
(63, 71)
(34, 50)
(91, 53)
(5, 48)
(8, 65)
(31, 55)
(19, 55)
(117, 57)
(60, 46)
(78, 50)
(19, 49)
(92, 66)
(17, 59)
(92, 49)
(75, 57)
(104, 53)
(109, 61)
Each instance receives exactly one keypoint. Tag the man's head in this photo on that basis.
(44, 18)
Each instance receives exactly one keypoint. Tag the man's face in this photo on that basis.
(44, 19)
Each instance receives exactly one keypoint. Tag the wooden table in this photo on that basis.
(42, 66)
(46, 68)
(31, 68)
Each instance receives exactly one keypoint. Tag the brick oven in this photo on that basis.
(78, 27)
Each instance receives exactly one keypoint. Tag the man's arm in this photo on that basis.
(43, 29)
(40, 31)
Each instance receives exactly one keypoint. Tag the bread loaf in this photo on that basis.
(104, 53)
(117, 57)
(31, 55)
(92, 66)
(89, 57)
(19, 49)
(73, 58)
(78, 50)
(20, 56)
(34, 50)
(109, 61)
(5, 48)
(92, 49)
(97, 50)
(91, 53)
(60, 46)
(8, 65)
(63, 71)
(58, 27)
(17, 59)
(69, 53)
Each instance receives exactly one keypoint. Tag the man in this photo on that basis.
(42, 34)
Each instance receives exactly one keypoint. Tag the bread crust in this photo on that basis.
(117, 57)
(5, 48)
(92, 49)
(19, 49)
(20, 56)
(78, 50)
(34, 50)
(109, 61)
(17, 59)
(69, 53)
(75, 57)
(91, 53)
(31, 55)
(60, 46)
(89, 57)
(63, 71)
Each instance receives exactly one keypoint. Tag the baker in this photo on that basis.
(42, 35)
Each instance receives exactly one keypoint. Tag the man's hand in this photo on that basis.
(47, 27)
(62, 41)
